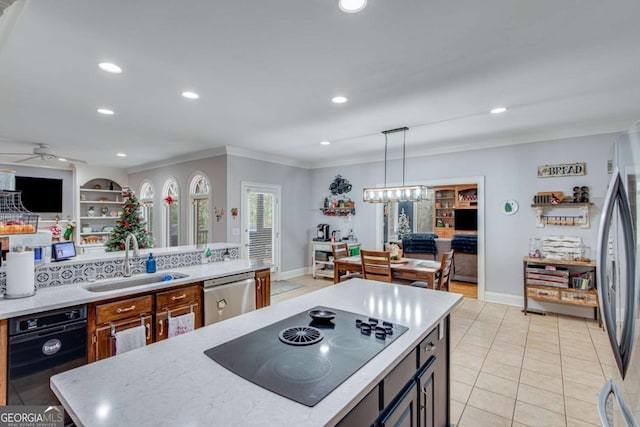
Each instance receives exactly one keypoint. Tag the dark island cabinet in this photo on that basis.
(414, 393)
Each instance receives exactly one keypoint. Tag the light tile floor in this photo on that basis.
(508, 369)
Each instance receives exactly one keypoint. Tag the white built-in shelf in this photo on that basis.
(94, 233)
(97, 202)
(91, 190)
(99, 217)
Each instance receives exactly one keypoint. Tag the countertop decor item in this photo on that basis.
(403, 193)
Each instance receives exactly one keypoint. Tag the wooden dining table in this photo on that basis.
(412, 269)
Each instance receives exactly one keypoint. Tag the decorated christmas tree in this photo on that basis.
(130, 221)
(403, 224)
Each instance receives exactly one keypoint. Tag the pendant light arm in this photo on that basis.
(395, 194)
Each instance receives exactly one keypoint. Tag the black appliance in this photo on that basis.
(63, 250)
(304, 358)
(466, 219)
(322, 233)
(40, 194)
(42, 345)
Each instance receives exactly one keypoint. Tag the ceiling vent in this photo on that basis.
(5, 4)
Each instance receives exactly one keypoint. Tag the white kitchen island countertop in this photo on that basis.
(173, 383)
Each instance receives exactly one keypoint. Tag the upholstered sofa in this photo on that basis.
(429, 246)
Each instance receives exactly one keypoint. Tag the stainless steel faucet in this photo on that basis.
(127, 267)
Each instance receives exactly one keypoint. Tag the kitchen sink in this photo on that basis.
(129, 282)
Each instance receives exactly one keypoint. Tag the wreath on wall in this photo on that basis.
(339, 185)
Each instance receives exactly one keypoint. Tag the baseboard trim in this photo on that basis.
(500, 298)
(285, 275)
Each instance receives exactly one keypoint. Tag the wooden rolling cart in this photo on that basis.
(552, 281)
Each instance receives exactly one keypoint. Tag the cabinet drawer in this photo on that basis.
(178, 296)
(429, 346)
(398, 378)
(543, 293)
(581, 298)
(124, 308)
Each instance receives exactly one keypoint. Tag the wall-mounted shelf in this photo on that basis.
(543, 218)
(338, 211)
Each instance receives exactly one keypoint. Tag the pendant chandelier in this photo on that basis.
(403, 193)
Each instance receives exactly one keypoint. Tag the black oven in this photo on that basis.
(42, 345)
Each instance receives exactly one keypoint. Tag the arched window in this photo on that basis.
(170, 195)
(146, 203)
(200, 217)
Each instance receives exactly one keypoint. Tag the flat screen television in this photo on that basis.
(466, 219)
(40, 194)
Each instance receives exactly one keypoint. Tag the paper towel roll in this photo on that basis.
(20, 275)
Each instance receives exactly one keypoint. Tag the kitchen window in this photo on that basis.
(170, 195)
(200, 217)
(146, 204)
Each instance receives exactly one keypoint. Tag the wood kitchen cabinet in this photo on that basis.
(150, 310)
(263, 288)
(117, 316)
(175, 303)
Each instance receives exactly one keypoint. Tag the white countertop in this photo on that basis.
(67, 295)
(173, 382)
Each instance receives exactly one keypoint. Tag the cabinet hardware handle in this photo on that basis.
(430, 347)
(148, 326)
(161, 327)
(124, 310)
(177, 298)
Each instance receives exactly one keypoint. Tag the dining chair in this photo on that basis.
(376, 265)
(341, 250)
(443, 275)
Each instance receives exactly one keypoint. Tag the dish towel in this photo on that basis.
(181, 324)
(130, 339)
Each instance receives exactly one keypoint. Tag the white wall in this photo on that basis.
(295, 204)
(215, 168)
(510, 173)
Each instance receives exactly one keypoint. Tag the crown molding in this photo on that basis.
(266, 157)
(198, 155)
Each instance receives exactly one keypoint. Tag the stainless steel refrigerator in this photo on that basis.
(619, 283)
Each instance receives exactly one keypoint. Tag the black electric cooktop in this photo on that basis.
(305, 359)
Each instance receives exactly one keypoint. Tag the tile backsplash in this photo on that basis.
(55, 274)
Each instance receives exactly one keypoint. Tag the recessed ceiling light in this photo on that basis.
(61, 159)
(339, 100)
(121, 155)
(190, 95)
(325, 142)
(352, 6)
(498, 110)
(105, 111)
(110, 68)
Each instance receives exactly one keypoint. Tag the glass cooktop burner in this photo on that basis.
(304, 359)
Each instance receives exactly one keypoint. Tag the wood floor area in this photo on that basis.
(469, 290)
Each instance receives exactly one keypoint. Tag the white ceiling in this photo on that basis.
(266, 72)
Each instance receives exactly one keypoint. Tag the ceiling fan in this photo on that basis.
(44, 153)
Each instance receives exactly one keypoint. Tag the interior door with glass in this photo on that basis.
(261, 223)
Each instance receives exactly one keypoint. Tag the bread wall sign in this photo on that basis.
(563, 169)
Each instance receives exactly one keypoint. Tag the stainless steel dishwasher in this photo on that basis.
(229, 296)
